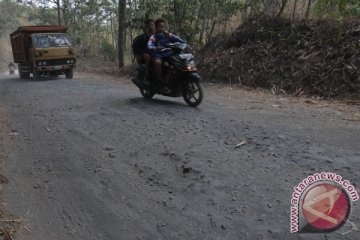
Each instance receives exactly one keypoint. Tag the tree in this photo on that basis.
(337, 8)
(46, 3)
(58, 9)
(121, 32)
(107, 27)
(9, 14)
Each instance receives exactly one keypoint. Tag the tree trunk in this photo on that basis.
(269, 8)
(294, 10)
(66, 13)
(202, 31)
(244, 13)
(213, 24)
(307, 14)
(198, 17)
(121, 34)
(113, 40)
(283, 4)
(58, 11)
(178, 11)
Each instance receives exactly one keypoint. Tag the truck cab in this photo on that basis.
(43, 50)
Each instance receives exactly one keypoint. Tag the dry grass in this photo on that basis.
(99, 66)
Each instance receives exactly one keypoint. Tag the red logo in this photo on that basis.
(325, 207)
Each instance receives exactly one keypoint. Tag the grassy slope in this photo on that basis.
(5, 45)
(5, 52)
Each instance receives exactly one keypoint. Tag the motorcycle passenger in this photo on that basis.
(157, 43)
(140, 43)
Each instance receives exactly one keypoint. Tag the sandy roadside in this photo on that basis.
(8, 222)
(333, 110)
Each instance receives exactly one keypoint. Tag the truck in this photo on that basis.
(43, 50)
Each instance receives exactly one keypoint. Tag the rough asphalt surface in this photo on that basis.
(90, 159)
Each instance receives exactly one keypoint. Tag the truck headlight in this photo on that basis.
(44, 63)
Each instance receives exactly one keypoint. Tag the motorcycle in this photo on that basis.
(180, 74)
(11, 69)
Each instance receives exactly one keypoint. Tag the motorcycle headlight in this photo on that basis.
(191, 68)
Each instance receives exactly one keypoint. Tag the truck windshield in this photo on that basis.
(50, 40)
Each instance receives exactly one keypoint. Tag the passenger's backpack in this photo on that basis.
(138, 44)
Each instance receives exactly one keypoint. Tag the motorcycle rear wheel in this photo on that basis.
(193, 93)
(146, 93)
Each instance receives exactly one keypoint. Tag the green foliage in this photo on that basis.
(191, 19)
(195, 20)
(43, 16)
(10, 12)
(352, 8)
(107, 50)
(337, 8)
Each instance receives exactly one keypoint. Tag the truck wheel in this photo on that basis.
(69, 73)
(23, 74)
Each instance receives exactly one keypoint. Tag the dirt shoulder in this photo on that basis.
(345, 110)
(244, 98)
(8, 222)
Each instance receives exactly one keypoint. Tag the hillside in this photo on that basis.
(5, 52)
(12, 15)
(312, 58)
(302, 58)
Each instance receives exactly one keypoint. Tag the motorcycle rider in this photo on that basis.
(11, 67)
(139, 45)
(158, 42)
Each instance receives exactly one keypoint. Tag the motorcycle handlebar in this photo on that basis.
(164, 49)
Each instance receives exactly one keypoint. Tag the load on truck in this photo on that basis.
(43, 50)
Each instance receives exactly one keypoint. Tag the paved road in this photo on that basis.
(90, 159)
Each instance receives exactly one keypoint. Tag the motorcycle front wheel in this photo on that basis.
(192, 92)
(146, 93)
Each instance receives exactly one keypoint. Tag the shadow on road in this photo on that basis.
(30, 79)
(42, 79)
(156, 102)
